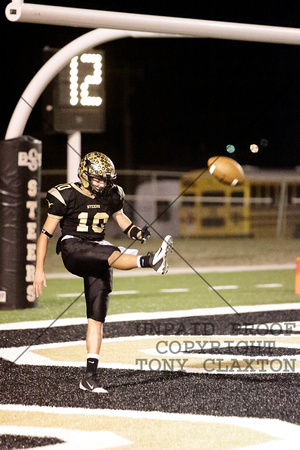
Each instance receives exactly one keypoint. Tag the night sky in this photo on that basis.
(173, 103)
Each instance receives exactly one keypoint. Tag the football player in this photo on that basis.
(82, 210)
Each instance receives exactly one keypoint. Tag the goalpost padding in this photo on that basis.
(19, 220)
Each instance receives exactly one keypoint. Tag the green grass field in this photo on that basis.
(199, 295)
(150, 298)
(198, 253)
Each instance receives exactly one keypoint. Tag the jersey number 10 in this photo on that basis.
(98, 225)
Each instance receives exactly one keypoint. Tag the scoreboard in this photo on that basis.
(76, 101)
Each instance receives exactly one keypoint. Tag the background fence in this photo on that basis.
(194, 204)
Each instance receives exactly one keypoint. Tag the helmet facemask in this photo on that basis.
(96, 188)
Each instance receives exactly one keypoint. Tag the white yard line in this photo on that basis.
(225, 287)
(166, 291)
(153, 315)
(268, 285)
(184, 270)
(76, 294)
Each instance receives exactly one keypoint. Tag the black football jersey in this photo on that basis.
(80, 214)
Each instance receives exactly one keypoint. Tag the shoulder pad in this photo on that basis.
(119, 191)
(61, 192)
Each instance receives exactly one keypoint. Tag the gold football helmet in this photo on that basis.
(96, 165)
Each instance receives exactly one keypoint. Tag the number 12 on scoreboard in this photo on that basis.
(77, 100)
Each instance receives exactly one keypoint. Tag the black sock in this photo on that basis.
(91, 365)
(145, 261)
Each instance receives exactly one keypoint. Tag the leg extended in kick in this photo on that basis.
(158, 261)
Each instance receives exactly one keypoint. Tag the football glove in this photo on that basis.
(145, 234)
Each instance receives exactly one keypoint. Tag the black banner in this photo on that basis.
(20, 162)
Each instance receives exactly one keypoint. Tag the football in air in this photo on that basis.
(226, 170)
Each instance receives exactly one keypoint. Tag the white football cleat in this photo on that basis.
(159, 261)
